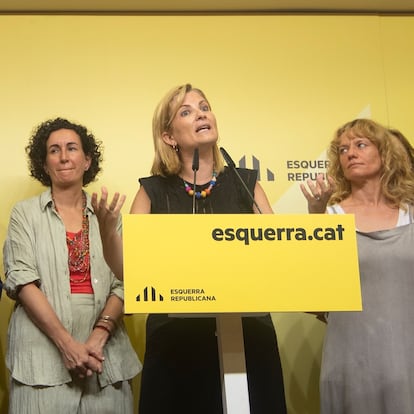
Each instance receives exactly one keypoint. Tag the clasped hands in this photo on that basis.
(84, 359)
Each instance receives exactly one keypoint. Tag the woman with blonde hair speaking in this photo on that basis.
(181, 371)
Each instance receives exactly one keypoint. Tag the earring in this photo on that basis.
(175, 148)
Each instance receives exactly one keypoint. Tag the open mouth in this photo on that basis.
(203, 128)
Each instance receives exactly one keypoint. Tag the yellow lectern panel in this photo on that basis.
(240, 263)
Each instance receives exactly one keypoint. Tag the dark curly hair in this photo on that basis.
(36, 149)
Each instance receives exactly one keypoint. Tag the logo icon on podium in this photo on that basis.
(149, 294)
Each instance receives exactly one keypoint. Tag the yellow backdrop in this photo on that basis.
(279, 86)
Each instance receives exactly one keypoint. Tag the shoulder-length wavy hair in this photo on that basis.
(166, 159)
(36, 149)
(406, 143)
(397, 176)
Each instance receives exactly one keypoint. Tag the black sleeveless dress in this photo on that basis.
(181, 373)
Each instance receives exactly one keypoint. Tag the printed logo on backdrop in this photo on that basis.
(312, 169)
(150, 294)
(256, 165)
(297, 170)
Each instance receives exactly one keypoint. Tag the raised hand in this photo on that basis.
(108, 219)
(107, 214)
(319, 193)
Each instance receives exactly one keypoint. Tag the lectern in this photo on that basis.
(262, 263)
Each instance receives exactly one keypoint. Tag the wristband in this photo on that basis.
(104, 328)
(107, 318)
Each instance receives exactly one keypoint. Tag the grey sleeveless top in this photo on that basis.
(368, 356)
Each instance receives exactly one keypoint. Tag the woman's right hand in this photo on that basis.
(78, 359)
(319, 193)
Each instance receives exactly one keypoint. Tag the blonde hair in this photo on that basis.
(405, 142)
(167, 159)
(397, 176)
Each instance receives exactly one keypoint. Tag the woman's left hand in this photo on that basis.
(108, 219)
(96, 342)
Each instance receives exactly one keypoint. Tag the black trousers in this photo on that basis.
(181, 373)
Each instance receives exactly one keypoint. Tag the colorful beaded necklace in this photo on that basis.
(78, 247)
(203, 193)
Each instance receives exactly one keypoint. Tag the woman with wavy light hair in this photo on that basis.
(367, 363)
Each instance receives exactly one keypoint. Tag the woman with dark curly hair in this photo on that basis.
(68, 350)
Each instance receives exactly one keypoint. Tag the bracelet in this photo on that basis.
(104, 328)
(107, 318)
